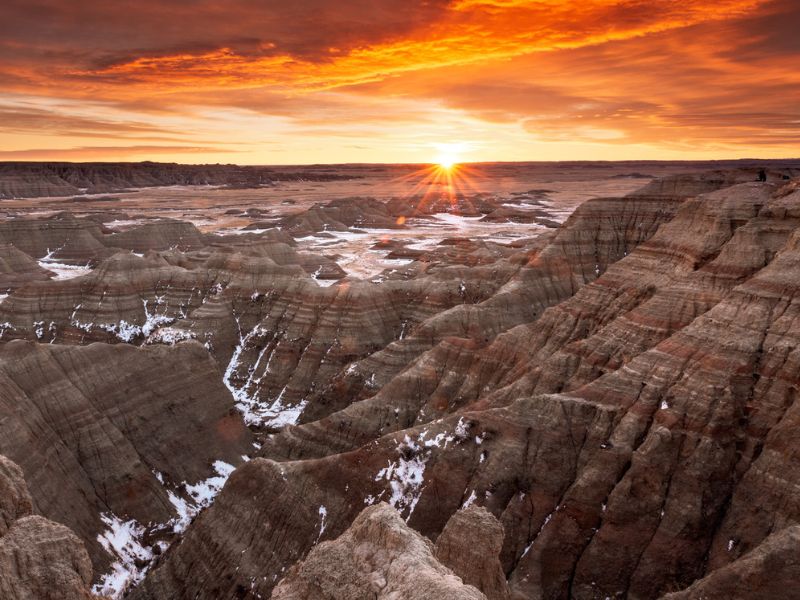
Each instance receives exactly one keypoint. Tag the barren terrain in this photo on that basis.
(508, 381)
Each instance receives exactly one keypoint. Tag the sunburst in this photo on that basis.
(444, 179)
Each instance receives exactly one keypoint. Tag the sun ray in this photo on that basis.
(444, 181)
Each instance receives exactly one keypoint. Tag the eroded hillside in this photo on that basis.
(606, 405)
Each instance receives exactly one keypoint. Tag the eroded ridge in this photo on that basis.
(605, 408)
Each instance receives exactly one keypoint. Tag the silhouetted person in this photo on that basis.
(762, 175)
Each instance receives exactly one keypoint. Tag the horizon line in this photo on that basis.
(398, 164)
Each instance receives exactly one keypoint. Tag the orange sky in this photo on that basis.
(309, 81)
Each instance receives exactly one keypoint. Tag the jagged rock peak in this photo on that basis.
(470, 545)
(380, 557)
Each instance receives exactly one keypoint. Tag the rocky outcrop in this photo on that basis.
(379, 556)
(340, 215)
(422, 376)
(77, 241)
(15, 501)
(470, 545)
(163, 234)
(695, 418)
(44, 560)
(426, 473)
(38, 558)
(128, 297)
(703, 182)
(14, 184)
(606, 410)
(658, 288)
(61, 236)
(281, 335)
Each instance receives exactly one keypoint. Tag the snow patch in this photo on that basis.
(120, 224)
(323, 513)
(123, 540)
(63, 271)
(528, 547)
(405, 476)
(128, 332)
(6, 326)
(469, 501)
(255, 411)
(39, 329)
(169, 335)
(203, 493)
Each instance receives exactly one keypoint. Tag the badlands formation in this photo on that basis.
(520, 395)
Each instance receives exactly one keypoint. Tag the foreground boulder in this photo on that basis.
(380, 557)
(38, 558)
(470, 545)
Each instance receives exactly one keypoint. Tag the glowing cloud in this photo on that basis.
(384, 80)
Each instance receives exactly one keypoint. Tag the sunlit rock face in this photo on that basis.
(509, 409)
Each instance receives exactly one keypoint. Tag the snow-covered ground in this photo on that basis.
(124, 539)
(64, 271)
(460, 222)
(122, 224)
(354, 252)
(238, 231)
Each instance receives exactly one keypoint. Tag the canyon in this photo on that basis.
(548, 381)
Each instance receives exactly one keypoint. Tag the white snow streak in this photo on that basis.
(323, 512)
(62, 270)
(254, 410)
(405, 476)
(123, 539)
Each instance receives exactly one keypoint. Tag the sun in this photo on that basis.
(447, 157)
(446, 162)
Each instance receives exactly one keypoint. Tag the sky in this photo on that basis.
(334, 81)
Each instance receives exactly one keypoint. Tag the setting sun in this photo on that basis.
(448, 155)
(446, 162)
